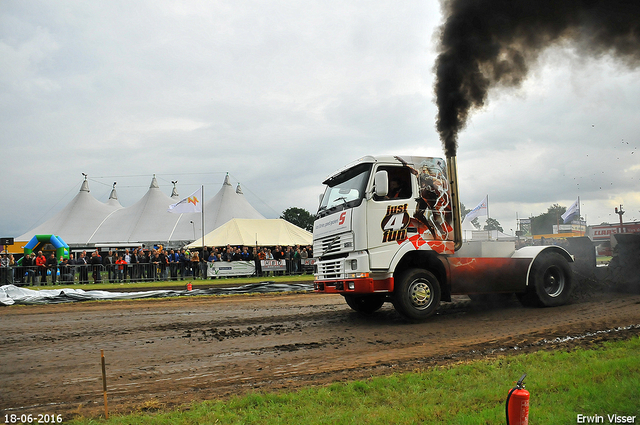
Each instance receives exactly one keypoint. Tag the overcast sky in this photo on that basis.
(279, 94)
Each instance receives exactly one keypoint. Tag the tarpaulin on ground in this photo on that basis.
(11, 294)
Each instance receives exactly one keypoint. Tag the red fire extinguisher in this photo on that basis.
(517, 406)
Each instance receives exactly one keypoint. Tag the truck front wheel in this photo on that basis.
(550, 282)
(417, 294)
(365, 304)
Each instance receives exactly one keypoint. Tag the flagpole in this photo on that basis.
(202, 215)
(579, 212)
(579, 217)
(488, 216)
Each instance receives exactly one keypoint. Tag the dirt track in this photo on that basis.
(172, 351)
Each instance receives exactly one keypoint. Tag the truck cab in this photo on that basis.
(388, 230)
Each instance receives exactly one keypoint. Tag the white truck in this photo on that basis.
(388, 229)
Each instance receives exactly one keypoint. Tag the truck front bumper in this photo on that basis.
(365, 285)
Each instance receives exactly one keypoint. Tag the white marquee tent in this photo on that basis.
(78, 220)
(87, 222)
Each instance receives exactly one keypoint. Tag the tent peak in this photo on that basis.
(114, 194)
(239, 189)
(226, 180)
(85, 184)
(154, 183)
(174, 192)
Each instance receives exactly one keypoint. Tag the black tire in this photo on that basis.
(417, 294)
(550, 282)
(365, 304)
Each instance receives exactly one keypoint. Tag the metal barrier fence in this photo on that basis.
(118, 273)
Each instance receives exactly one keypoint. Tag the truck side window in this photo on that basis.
(399, 183)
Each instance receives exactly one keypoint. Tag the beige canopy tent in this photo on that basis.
(252, 232)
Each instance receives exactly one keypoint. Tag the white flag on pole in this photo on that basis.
(571, 211)
(481, 209)
(191, 204)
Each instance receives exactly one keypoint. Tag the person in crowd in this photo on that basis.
(127, 269)
(121, 266)
(297, 255)
(195, 264)
(52, 266)
(66, 271)
(108, 262)
(83, 268)
(96, 266)
(212, 257)
(28, 263)
(155, 264)
(72, 267)
(236, 255)
(288, 257)
(203, 266)
(304, 255)
(132, 267)
(226, 255)
(277, 253)
(205, 254)
(187, 263)
(4, 269)
(17, 272)
(174, 260)
(41, 263)
(12, 267)
(256, 261)
(145, 265)
(182, 263)
(163, 263)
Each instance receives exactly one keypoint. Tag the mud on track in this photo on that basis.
(172, 351)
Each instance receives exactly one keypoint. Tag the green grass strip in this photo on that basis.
(601, 381)
(173, 283)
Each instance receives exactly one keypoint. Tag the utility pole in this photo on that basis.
(620, 212)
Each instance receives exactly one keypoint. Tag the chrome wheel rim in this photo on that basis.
(553, 281)
(420, 294)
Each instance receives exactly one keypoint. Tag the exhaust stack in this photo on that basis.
(452, 168)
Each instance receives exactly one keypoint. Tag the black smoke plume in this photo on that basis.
(489, 43)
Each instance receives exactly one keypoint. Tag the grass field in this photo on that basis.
(173, 283)
(600, 381)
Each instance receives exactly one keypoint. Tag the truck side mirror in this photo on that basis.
(381, 184)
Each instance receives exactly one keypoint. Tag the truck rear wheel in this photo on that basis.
(417, 294)
(365, 304)
(550, 282)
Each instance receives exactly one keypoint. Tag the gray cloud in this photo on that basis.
(280, 95)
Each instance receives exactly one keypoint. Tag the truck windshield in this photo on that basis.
(345, 190)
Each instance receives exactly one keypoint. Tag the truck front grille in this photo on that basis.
(337, 244)
(332, 269)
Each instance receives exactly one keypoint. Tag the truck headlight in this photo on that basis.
(357, 275)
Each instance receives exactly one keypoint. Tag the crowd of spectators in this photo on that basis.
(141, 264)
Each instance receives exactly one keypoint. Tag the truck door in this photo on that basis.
(388, 217)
